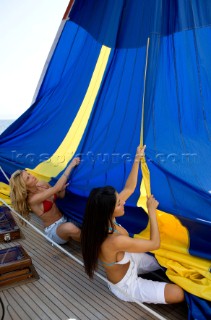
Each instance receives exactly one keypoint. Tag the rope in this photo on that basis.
(4, 174)
(145, 73)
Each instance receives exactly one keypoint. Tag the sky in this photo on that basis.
(27, 31)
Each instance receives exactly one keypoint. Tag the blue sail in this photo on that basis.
(90, 103)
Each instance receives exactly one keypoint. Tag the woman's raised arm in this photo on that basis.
(131, 182)
(59, 185)
(123, 243)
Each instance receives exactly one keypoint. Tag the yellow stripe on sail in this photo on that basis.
(191, 273)
(145, 189)
(59, 160)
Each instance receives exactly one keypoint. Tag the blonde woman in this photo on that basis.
(29, 194)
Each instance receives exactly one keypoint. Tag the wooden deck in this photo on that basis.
(63, 290)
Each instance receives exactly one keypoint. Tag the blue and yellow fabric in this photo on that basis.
(90, 104)
(193, 274)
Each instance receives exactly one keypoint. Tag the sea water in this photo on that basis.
(4, 124)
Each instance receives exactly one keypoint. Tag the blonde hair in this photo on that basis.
(18, 194)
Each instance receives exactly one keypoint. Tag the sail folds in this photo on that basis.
(90, 104)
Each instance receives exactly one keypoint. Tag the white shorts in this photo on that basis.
(136, 288)
(51, 231)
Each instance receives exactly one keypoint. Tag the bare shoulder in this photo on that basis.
(114, 240)
(43, 184)
(121, 238)
(32, 199)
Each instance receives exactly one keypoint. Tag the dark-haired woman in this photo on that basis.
(122, 257)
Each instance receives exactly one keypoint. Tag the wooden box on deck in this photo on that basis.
(15, 265)
(9, 230)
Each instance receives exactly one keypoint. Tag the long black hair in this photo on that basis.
(97, 219)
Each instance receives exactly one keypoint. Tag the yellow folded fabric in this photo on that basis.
(193, 274)
(5, 193)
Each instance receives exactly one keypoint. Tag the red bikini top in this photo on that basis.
(48, 204)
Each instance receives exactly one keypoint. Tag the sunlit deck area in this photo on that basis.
(63, 291)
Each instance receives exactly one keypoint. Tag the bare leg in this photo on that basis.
(68, 230)
(173, 293)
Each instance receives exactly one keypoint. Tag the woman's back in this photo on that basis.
(114, 262)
